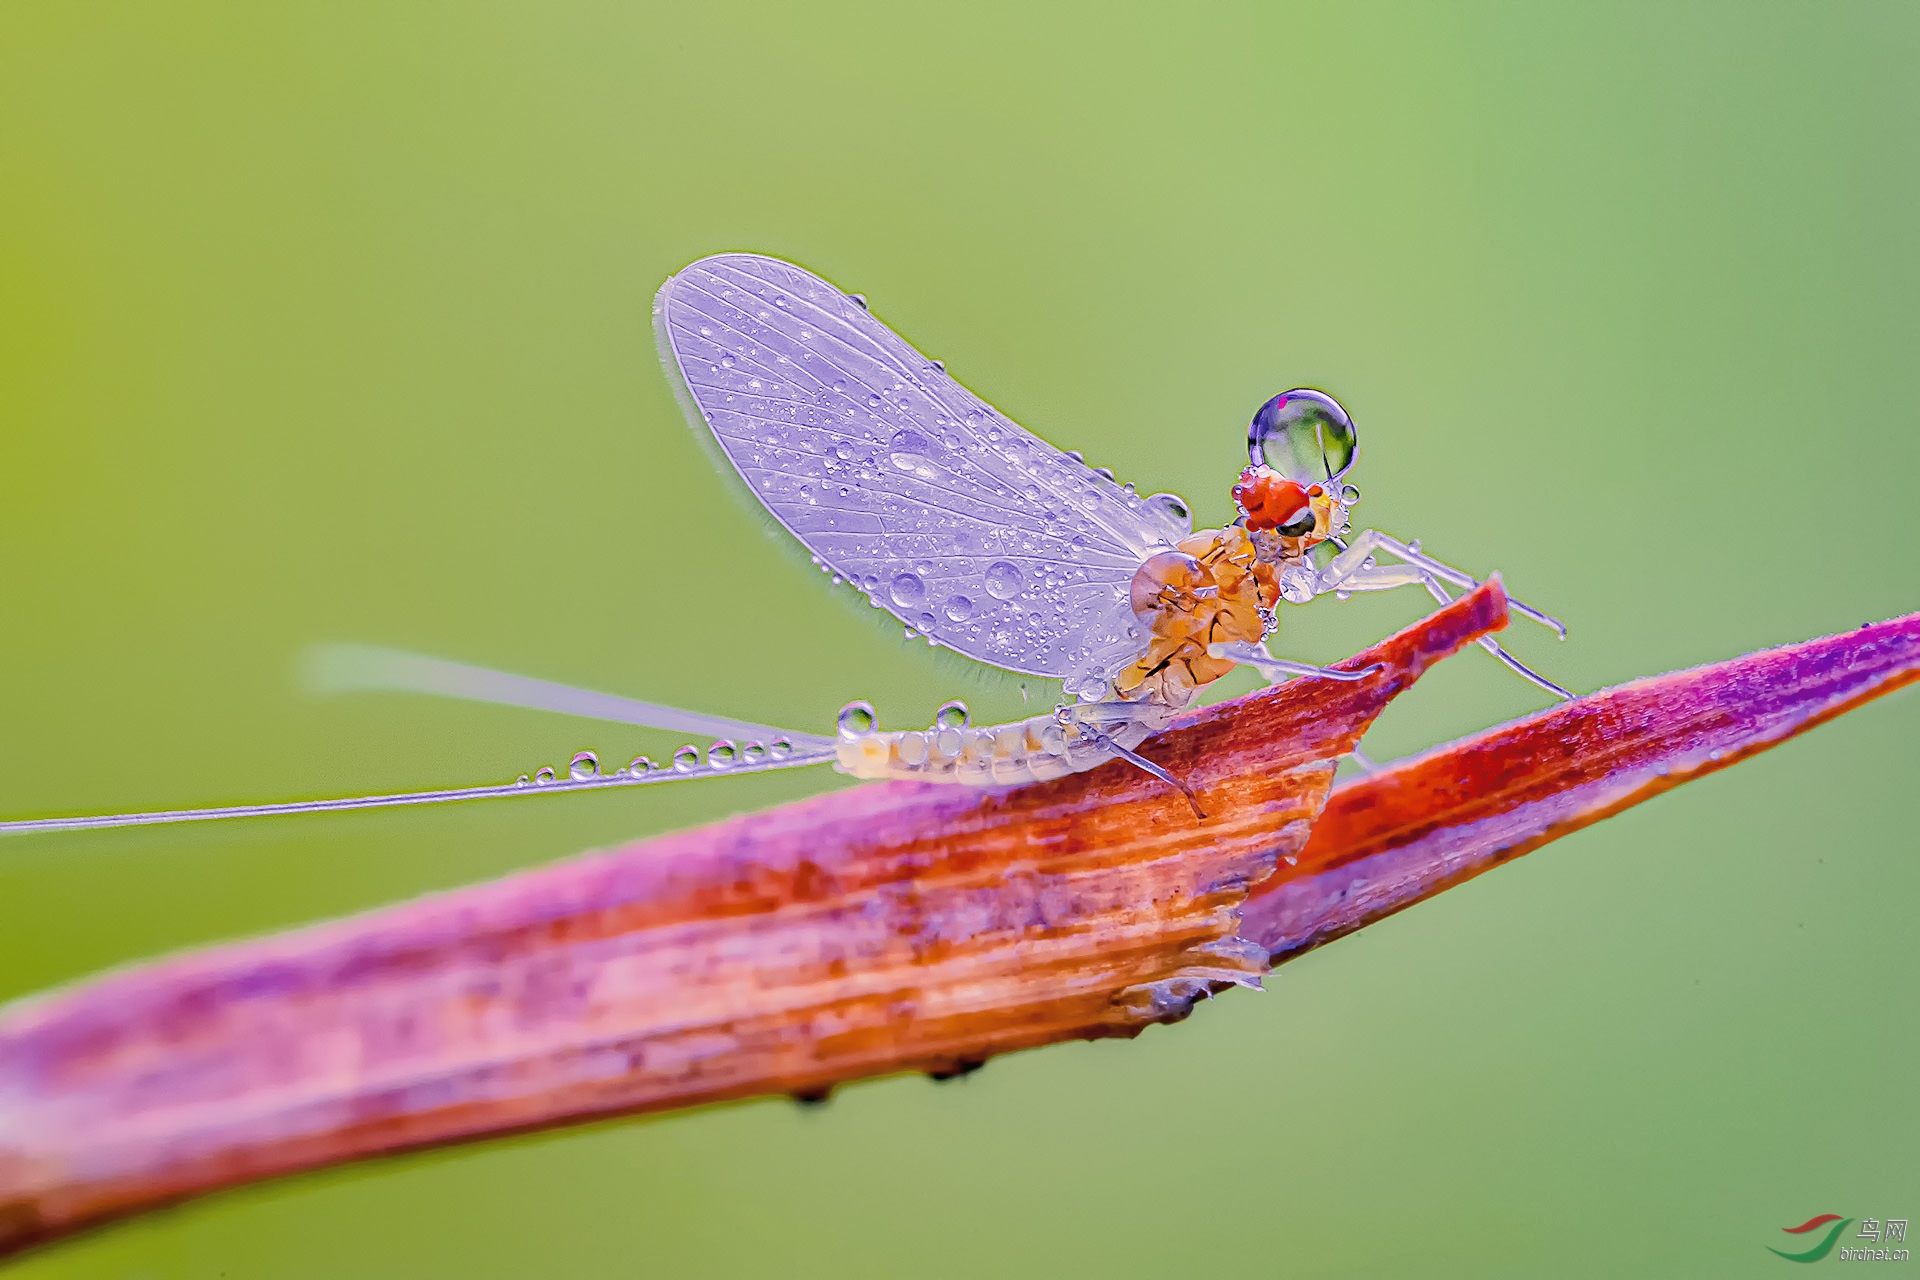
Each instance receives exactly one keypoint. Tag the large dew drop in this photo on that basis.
(1172, 508)
(907, 590)
(1003, 580)
(1304, 435)
(911, 451)
(857, 720)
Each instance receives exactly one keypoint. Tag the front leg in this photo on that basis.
(1349, 571)
(1512, 663)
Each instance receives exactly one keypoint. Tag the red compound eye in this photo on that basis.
(1270, 500)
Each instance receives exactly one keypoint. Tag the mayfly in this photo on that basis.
(974, 533)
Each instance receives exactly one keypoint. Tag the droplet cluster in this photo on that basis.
(720, 756)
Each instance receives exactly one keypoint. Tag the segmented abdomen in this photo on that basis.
(1031, 750)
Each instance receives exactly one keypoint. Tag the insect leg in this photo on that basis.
(1095, 722)
(1492, 646)
(1383, 577)
(1275, 670)
(1352, 560)
(1142, 763)
(1362, 761)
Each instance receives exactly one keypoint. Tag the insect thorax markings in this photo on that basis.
(1214, 587)
(1217, 585)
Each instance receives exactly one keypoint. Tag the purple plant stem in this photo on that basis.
(1391, 839)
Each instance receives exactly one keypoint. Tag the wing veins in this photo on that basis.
(787, 325)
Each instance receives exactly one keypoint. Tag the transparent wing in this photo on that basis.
(964, 526)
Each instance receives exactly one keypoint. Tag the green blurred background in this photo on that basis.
(330, 322)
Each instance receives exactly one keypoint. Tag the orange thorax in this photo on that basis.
(1212, 590)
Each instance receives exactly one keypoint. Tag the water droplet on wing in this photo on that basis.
(1003, 580)
(907, 590)
(1172, 508)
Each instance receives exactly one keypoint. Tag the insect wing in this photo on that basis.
(960, 523)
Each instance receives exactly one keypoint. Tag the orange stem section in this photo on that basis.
(894, 926)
